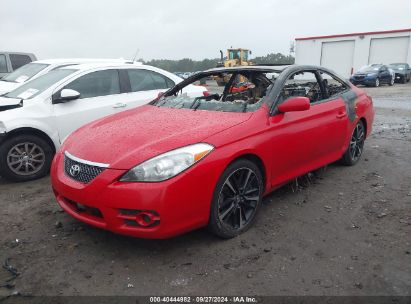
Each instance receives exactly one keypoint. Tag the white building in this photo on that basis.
(346, 53)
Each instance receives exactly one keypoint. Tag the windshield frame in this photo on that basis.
(234, 71)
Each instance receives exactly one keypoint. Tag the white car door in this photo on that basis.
(100, 95)
(146, 85)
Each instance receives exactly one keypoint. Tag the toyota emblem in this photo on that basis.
(75, 170)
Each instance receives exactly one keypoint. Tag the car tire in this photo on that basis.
(355, 149)
(404, 80)
(391, 83)
(234, 208)
(377, 82)
(25, 157)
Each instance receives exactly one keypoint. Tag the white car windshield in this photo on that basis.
(39, 85)
(25, 72)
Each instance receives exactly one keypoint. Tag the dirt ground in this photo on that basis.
(346, 232)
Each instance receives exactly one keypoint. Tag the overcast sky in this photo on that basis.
(176, 29)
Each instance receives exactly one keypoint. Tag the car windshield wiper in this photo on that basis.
(195, 104)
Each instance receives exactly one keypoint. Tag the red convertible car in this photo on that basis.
(181, 162)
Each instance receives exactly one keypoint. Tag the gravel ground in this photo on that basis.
(344, 232)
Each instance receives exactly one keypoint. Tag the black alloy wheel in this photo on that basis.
(356, 147)
(237, 199)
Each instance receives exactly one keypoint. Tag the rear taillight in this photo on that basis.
(206, 93)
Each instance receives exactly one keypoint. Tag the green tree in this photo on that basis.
(189, 65)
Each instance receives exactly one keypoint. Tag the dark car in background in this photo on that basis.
(373, 75)
(10, 61)
(402, 72)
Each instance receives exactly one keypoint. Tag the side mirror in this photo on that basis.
(65, 95)
(294, 104)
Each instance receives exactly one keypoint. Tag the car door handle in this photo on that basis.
(119, 105)
(341, 114)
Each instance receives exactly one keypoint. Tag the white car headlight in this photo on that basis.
(167, 165)
(371, 74)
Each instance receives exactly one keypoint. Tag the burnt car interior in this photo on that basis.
(308, 84)
(332, 85)
(242, 91)
(304, 84)
(245, 90)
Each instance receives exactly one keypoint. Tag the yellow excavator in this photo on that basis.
(235, 57)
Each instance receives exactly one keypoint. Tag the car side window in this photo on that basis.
(19, 60)
(161, 81)
(140, 80)
(332, 85)
(100, 83)
(303, 84)
(3, 64)
(144, 80)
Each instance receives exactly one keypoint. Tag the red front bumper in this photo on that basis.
(176, 206)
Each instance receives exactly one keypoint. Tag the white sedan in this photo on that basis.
(37, 116)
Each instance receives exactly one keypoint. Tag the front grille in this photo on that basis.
(81, 172)
(359, 77)
(79, 208)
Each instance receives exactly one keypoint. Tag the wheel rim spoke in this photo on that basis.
(32, 149)
(247, 178)
(240, 218)
(15, 162)
(252, 198)
(227, 212)
(230, 186)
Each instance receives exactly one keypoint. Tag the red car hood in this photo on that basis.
(126, 139)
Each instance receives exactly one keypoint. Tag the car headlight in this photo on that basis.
(167, 165)
(371, 74)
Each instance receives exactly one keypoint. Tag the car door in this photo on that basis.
(306, 140)
(143, 86)
(385, 75)
(99, 96)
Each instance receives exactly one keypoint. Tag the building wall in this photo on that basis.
(309, 51)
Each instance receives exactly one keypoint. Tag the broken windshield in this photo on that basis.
(242, 91)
